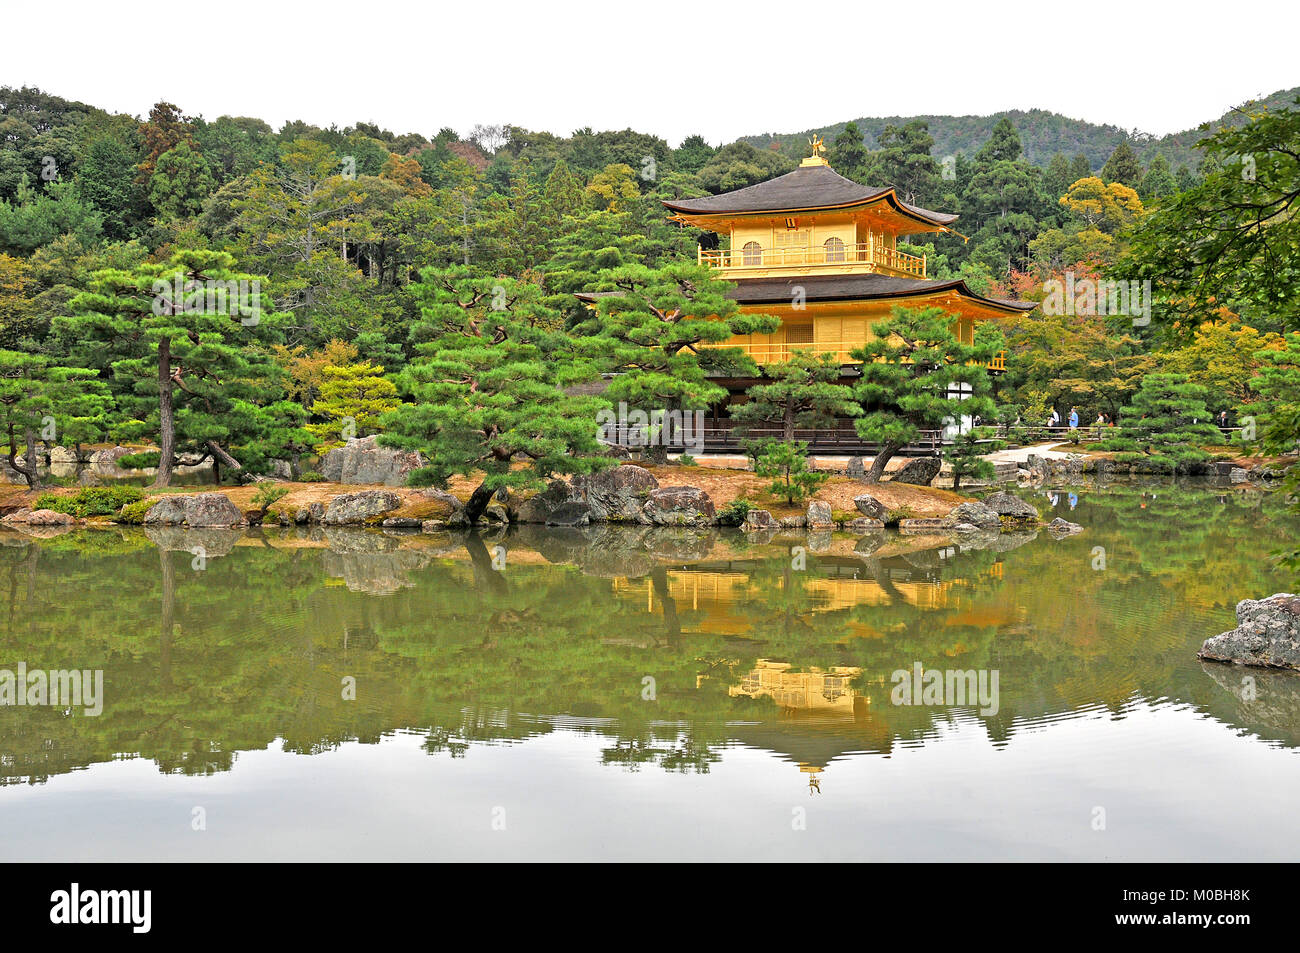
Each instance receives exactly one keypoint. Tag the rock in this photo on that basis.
(872, 508)
(442, 507)
(62, 456)
(402, 522)
(311, 513)
(976, 514)
(41, 518)
(1238, 475)
(17, 516)
(919, 471)
(199, 510)
(759, 519)
(678, 506)
(1012, 507)
(558, 505)
(864, 524)
(104, 462)
(495, 513)
(281, 470)
(617, 495)
(1256, 474)
(928, 525)
(793, 522)
(855, 470)
(360, 507)
(819, 516)
(1060, 528)
(1267, 634)
(362, 460)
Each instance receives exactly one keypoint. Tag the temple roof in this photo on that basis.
(806, 188)
(859, 287)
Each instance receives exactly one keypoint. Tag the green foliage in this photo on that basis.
(311, 476)
(966, 455)
(734, 513)
(268, 494)
(133, 513)
(139, 461)
(911, 376)
(487, 386)
(1166, 426)
(686, 460)
(90, 501)
(788, 462)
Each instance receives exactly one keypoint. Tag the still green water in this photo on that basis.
(615, 693)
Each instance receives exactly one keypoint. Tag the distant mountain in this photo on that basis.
(1042, 133)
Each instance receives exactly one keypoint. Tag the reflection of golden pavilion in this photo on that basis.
(719, 594)
(814, 692)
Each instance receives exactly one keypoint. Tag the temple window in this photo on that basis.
(834, 249)
(752, 254)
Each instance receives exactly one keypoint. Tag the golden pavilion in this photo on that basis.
(821, 252)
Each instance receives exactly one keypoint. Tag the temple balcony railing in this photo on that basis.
(841, 350)
(841, 258)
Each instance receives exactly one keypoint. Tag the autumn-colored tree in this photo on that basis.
(353, 398)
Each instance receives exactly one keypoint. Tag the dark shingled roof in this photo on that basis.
(807, 187)
(864, 287)
(855, 288)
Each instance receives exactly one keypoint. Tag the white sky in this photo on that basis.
(722, 69)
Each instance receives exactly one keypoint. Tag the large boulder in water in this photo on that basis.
(820, 516)
(919, 471)
(973, 514)
(679, 506)
(363, 461)
(558, 505)
(1267, 634)
(872, 508)
(1012, 507)
(363, 507)
(617, 495)
(198, 510)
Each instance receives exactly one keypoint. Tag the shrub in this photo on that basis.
(788, 462)
(686, 460)
(139, 461)
(268, 494)
(311, 476)
(91, 500)
(734, 513)
(133, 513)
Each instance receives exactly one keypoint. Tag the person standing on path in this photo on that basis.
(1074, 418)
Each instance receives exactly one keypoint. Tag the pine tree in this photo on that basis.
(803, 393)
(487, 388)
(191, 366)
(912, 376)
(353, 397)
(1164, 423)
(1123, 166)
(788, 462)
(41, 399)
(967, 455)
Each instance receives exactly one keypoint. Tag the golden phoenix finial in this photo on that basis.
(816, 144)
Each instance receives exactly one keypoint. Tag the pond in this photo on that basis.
(623, 693)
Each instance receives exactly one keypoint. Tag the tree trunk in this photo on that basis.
(30, 474)
(166, 415)
(478, 502)
(887, 451)
(220, 456)
(787, 424)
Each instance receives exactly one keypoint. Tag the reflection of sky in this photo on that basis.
(1175, 784)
